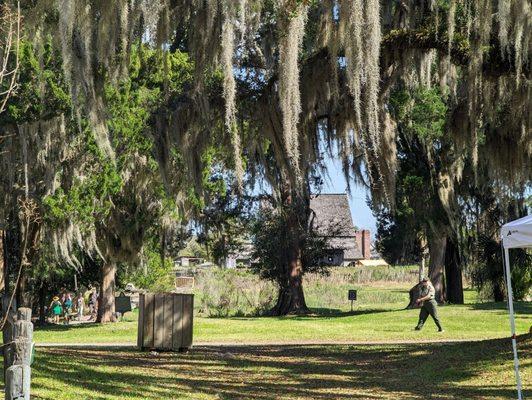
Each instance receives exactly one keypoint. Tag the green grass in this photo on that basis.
(382, 322)
(474, 371)
(269, 369)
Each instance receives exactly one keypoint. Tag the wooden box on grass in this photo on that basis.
(165, 321)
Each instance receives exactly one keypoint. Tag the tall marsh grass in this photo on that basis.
(229, 292)
(224, 293)
(375, 286)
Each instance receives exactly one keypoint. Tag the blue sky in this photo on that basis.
(335, 182)
(360, 212)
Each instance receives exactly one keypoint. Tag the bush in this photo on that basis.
(487, 275)
(159, 278)
(223, 293)
(522, 275)
(274, 242)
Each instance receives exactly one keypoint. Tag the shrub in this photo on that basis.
(222, 293)
(159, 277)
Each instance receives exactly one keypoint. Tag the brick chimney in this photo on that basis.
(363, 241)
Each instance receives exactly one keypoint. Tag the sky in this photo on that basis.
(360, 212)
(335, 182)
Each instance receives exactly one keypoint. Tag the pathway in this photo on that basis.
(129, 345)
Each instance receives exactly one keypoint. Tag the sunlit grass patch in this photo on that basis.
(475, 370)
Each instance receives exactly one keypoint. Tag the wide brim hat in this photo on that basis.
(55, 298)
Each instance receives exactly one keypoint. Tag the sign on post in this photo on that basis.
(122, 303)
(352, 296)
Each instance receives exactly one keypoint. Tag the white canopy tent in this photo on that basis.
(515, 234)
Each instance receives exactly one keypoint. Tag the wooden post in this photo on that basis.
(7, 335)
(18, 375)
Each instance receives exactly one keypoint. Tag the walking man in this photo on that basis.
(428, 305)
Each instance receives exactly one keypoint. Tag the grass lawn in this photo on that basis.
(475, 370)
(275, 367)
(385, 322)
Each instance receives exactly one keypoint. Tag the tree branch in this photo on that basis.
(494, 65)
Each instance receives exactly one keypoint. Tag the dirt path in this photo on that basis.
(126, 345)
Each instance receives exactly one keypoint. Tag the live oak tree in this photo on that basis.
(426, 153)
(135, 203)
(31, 126)
(488, 205)
(10, 26)
(273, 247)
(82, 200)
(297, 70)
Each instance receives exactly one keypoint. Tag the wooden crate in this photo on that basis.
(165, 321)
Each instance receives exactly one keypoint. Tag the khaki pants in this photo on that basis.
(429, 307)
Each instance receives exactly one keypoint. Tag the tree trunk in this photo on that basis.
(106, 302)
(291, 298)
(498, 291)
(23, 294)
(453, 274)
(424, 256)
(421, 270)
(11, 262)
(437, 246)
(7, 332)
(2, 259)
(42, 304)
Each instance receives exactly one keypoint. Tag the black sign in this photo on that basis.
(351, 294)
(122, 303)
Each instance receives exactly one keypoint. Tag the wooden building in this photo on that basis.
(331, 218)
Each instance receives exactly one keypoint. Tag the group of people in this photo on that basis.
(66, 306)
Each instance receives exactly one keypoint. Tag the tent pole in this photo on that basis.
(512, 321)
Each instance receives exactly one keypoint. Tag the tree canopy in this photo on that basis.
(121, 101)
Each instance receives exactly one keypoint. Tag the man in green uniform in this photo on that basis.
(428, 305)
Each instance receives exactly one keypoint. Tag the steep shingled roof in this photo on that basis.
(332, 218)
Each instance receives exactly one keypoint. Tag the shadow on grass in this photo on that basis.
(64, 328)
(520, 307)
(327, 312)
(317, 313)
(289, 372)
(49, 327)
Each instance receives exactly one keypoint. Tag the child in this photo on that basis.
(67, 307)
(93, 304)
(80, 305)
(56, 309)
